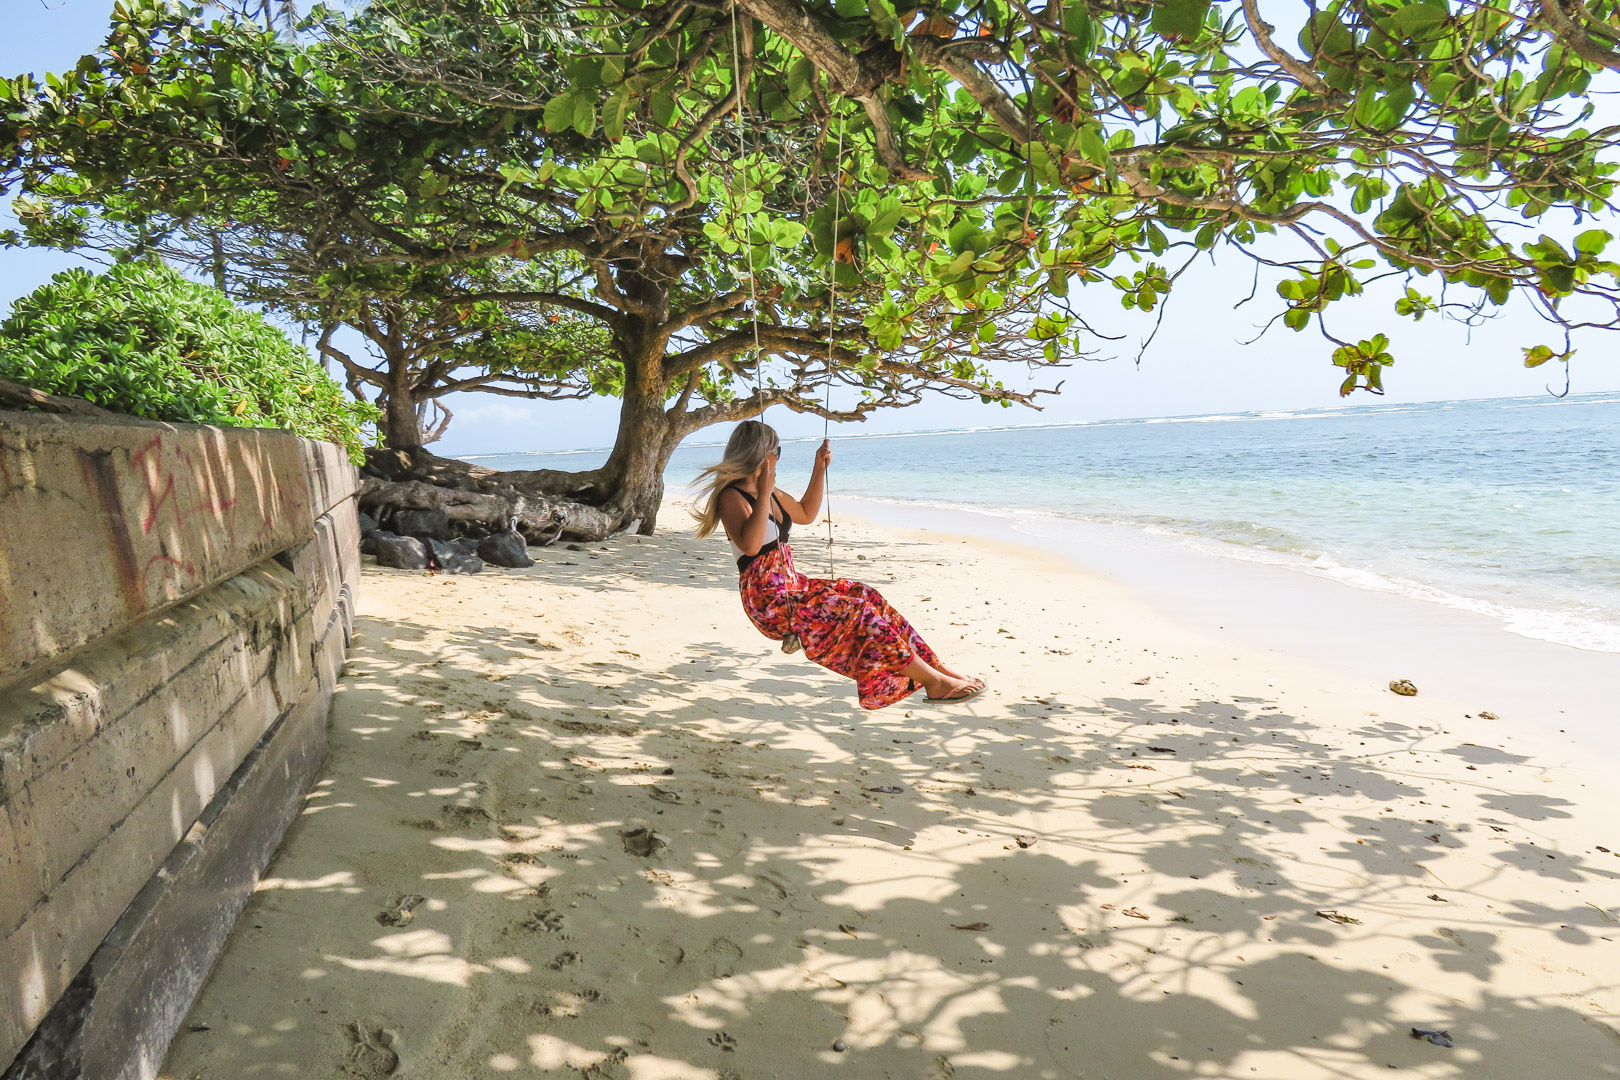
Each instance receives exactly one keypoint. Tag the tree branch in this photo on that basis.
(1262, 32)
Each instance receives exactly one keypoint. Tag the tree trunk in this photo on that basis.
(402, 426)
(630, 485)
(633, 477)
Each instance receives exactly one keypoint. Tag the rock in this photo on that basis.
(1403, 687)
(505, 549)
(467, 546)
(449, 556)
(426, 524)
(574, 547)
(368, 524)
(400, 552)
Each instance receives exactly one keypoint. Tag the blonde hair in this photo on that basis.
(750, 444)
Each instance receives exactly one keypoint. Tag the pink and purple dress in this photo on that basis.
(844, 626)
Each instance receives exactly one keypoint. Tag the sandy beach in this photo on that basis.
(582, 820)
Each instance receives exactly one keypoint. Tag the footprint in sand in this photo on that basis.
(543, 921)
(721, 958)
(663, 795)
(723, 1041)
(400, 909)
(371, 1054)
(562, 960)
(668, 953)
(464, 817)
(641, 843)
(943, 1069)
(774, 886)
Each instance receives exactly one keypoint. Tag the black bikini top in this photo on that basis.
(784, 525)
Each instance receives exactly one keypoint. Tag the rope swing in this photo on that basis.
(832, 267)
(832, 317)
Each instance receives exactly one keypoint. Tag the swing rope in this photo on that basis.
(832, 265)
(832, 317)
(748, 223)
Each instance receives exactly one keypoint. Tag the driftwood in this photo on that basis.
(479, 513)
(481, 500)
(14, 395)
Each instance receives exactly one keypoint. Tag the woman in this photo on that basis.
(842, 625)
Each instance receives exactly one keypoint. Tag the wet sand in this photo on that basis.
(581, 820)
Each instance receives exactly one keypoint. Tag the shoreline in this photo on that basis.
(1566, 694)
(582, 819)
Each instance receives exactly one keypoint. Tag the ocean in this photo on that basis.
(1506, 507)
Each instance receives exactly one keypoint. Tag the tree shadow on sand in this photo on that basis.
(540, 872)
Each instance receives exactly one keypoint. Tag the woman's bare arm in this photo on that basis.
(745, 525)
(803, 510)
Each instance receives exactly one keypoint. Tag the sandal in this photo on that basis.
(960, 694)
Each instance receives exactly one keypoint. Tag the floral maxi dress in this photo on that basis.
(844, 626)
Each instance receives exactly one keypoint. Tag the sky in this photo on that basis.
(1200, 362)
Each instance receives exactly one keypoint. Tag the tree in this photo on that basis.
(440, 184)
(690, 170)
(1398, 137)
(429, 331)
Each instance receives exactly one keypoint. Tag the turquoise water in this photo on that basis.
(1507, 507)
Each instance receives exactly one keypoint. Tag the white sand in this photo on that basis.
(470, 893)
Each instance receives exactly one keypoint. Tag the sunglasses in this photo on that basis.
(777, 453)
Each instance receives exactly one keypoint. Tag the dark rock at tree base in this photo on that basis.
(449, 556)
(400, 552)
(426, 524)
(368, 524)
(505, 549)
(468, 546)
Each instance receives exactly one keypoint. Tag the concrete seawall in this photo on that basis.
(175, 604)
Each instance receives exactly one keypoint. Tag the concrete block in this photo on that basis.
(58, 933)
(175, 606)
(331, 477)
(104, 521)
(120, 1014)
(100, 731)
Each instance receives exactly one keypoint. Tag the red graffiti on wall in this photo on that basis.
(159, 478)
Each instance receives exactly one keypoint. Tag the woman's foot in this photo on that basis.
(962, 690)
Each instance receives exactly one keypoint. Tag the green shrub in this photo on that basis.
(140, 339)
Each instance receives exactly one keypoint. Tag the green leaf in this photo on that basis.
(1180, 20)
(584, 113)
(1325, 35)
(559, 112)
(585, 73)
(1093, 147)
(1593, 241)
(1421, 21)
(663, 108)
(1538, 355)
(801, 79)
(886, 220)
(1385, 112)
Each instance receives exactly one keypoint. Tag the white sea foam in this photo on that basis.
(1576, 626)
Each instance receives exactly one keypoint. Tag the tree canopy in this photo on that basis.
(890, 198)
